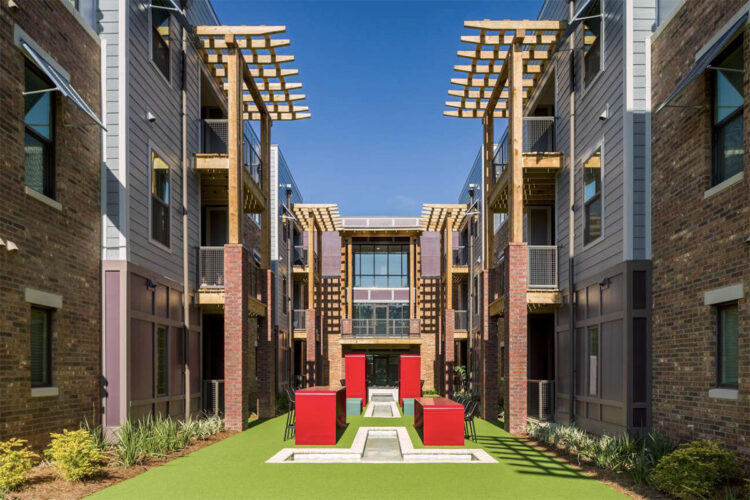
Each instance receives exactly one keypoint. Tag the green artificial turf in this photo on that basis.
(236, 468)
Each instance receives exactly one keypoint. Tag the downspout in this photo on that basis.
(185, 229)
(571, 229)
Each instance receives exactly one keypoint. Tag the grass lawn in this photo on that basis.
(236, 468)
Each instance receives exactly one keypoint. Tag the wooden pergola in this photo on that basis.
(507, 60)
(324, 215)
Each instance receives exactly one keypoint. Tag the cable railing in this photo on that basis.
(380, 328)
(299, 319)
(538, 137)
(542, 266)
(215, 139)
(461, 320)
(211, 267)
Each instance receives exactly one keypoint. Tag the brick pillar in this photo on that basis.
(489, 389)
(312, 355)
(266, 353)
(516, 337)
(236, 338)
(449, 351)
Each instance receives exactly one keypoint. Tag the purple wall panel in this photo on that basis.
(331, 254)
(112, 345)
(430, 244)
(401, 295)
(161, 302)
(360, 294)
(141, 360)
(194, 348)
(176, 362)
(381, 294)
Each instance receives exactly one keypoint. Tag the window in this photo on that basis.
(160, 196)
(728, 99)
(39, 140)
(727, 356)
(41, 347)
(593, 351)
(160, 19)
(381, 266)
(162, 360)
(592, 42)
(592, 197)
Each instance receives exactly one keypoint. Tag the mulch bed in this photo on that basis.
(44, 485)
(620, 482)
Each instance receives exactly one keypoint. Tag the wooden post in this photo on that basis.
(234, 147)
(515, 134)
(265, 161)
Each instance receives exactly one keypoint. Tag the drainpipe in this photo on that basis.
(185, 229)
(571, 232)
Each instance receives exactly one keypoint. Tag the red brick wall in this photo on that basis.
(58, 250)
(516, 338)
(698, 244)
(236, 338)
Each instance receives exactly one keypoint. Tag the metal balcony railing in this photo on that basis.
(380, 328)
(538, 137)
(461, 320)
(540, 399)
(542, 270)
(214, 139)
(460, 255)
(211, 267)
(299, 319)
(299, 255)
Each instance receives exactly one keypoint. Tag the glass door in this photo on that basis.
(381, 320)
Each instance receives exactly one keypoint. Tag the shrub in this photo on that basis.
(16, 459)
(696, 470)
(74, 454)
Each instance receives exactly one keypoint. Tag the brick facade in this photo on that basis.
(515, 337)
(236, 338)
(699, 242)
(58, 250)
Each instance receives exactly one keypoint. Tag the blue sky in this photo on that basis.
(376, 75)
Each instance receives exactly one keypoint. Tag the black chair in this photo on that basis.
(469, 429)
(421, 387)
(342, 382)
(289, 427)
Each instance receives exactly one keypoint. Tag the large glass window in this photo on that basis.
(592, 197)
(160, 39)
(728, 100)
(728, 359)
(41, 347)
(160, 197)
(39, 140)
(381, 266)
(592, 42)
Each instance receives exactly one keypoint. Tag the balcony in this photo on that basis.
(210, 276)
(299, 319)
(214, 160)
(461, 320)
(542, 281)
(542, 267)
(299, 255)
(461, 255)
(380, 328)
(540, 164)
(211, 267)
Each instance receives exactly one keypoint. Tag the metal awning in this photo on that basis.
(705, 60)
(61, 82)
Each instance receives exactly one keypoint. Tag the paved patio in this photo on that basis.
(236, 468)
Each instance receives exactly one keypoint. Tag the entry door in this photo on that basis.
(380, 377)
(381, 321)
(217, 226)
(538, 225)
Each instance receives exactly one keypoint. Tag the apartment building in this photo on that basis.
(49, 218)
(187, 278)
(701, 222)
(564, 278)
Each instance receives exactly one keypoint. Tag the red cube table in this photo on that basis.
(441, 421)
(319, 411)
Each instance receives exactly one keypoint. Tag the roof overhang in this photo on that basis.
(435, 216)
(326, 215)
(483, 83)
(266, 88)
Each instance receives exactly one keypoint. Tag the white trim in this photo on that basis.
(44, 392)
(647, 151)
(589, 153)
(724, 294)
(103, 138)
(167, 79)
(602, 59)
(45, 299)
(123, 127)
(33, 193)
(627, 138)
(152, 148)
(81, 20)
(722, 393)
(666, 21)
(726, 184)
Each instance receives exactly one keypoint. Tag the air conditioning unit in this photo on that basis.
(213, 397)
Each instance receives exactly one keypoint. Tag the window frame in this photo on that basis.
(167, 78)
(49, 170)
(593, 80)
(153, 150)
(716, 128)
(599, 146)
(158, 367)
(719, 355)
(595, 328)
(48, 312)
(401, 249)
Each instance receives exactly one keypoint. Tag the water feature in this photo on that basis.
(382, 446)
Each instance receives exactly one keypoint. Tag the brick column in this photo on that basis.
(516, 337)
(489, 389)
(236, 343)
(312, 355)
(450, 348)
(266, 353)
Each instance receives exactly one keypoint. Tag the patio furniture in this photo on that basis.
(321, 410)
(440, 420)
(469, 429)
(289, 427)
